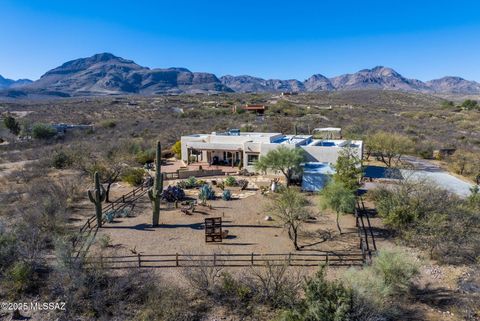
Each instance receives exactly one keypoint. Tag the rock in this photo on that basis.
(268, 218)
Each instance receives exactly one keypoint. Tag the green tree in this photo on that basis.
(43, 131)
(339, 198)
(283, 159)
(389, 147)
(470, 104)
(12, 125)
(289, 207)
(448, 104)
(348, 169)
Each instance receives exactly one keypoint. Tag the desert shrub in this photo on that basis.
(105, 241)
(177, 149)
(324, 301)
(145, 156)
(203, 278)
(12, 125)
(19, 278)
(50, 211)
(133, 176)
(7, 249)
(408, 202)
(170, 303)
(189, 183)
(60, 160)
(233, 290)
(230, 181)
(427, 216)
(243, 183)
(100, 294)
(424, 150)
(109, 123)
(43, 131)
(206, 193)
(470, 104)
(173, 194)
(226, 195)
(466, 163)
(390, 274)
(384, 285)
(74, 188)
(275, 285)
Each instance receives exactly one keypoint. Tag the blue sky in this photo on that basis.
(270, 39)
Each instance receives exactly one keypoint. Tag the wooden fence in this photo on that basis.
(88, 230)
(367, 239)
(229, 260)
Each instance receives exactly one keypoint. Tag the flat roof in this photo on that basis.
(327, 129)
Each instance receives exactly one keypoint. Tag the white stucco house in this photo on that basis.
(233, 147)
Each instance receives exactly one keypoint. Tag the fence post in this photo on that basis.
(326, 259)
(289, 258)
(139, 260)
(88, 221)
(123, 198)
(252, 258)
(133, 192)
(214, 259)
(176, 259)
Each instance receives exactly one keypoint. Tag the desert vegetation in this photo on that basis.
(45, 177)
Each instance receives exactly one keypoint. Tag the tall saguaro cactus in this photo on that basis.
(155, 192)
(97, 197)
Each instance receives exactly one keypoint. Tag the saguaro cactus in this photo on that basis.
(155, 192)
(97, 197)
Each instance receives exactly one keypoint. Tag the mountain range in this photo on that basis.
(106, 74)
(10, 83)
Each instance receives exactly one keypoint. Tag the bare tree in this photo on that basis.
(289, 207)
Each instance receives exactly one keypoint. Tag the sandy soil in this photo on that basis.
(243, 217)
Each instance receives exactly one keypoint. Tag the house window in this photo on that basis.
(252, 159)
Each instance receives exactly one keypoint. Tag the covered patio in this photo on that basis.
(226, 156)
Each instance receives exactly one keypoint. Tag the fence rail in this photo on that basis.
(367, 244)
(229, 260)
(88, 230)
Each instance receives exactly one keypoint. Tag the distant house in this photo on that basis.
(62, 128)
(327, 133)
(289, 93)
(258, 109)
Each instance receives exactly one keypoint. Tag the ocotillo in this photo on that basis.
(97, 196)
(155, 192)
